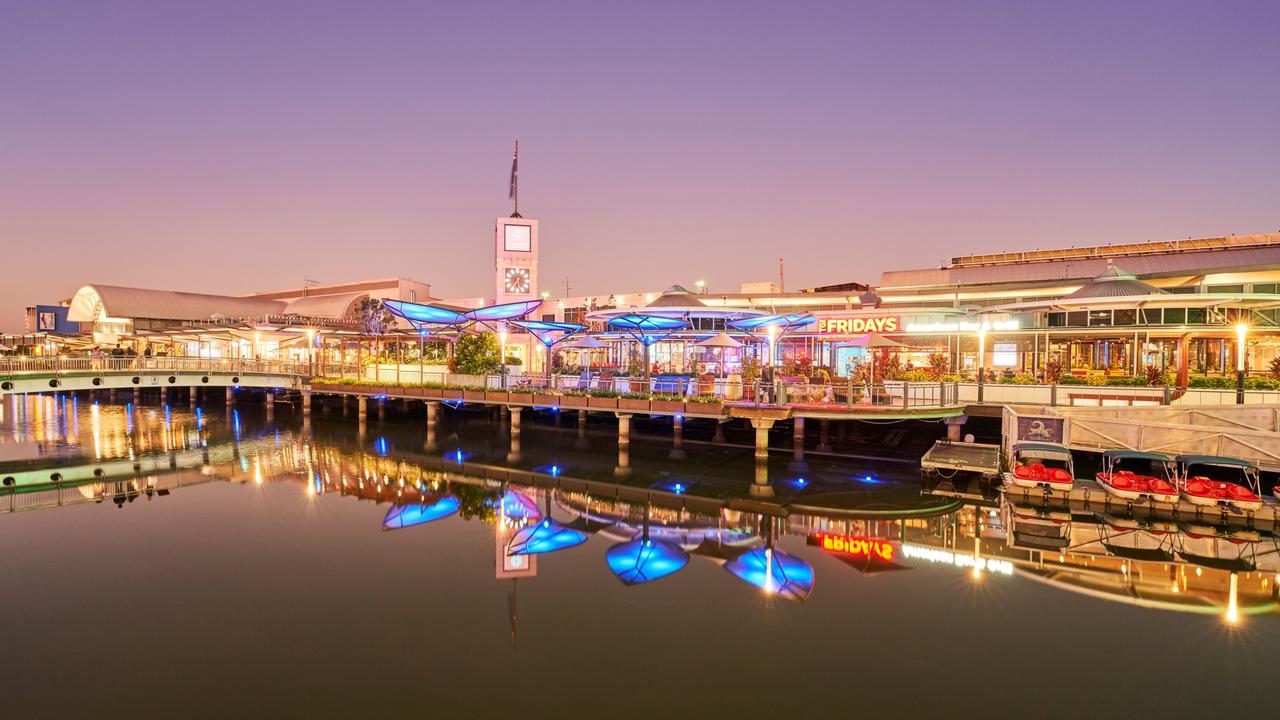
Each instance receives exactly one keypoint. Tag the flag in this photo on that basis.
(515, 159)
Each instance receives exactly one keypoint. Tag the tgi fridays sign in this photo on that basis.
(858, 325)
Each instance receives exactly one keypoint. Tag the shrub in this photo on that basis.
(939, 364)
(1023, 379)
(1219, 383)
(477, 354)
(513, 360)
(951, 378)
(1053, 371)
(1096, 380)
(915, 376)
(1273, 368)
(1071, 380)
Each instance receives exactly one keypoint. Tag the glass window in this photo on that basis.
(1183, 290)
(1265, 288)
(1125, 317)
(1077, 318)
(1056, 319)
(1226, 288)
(1099, 318)
(1195, 316)
(1175, 316)
(1151, 316)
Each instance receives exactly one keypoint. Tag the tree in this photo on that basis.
(477, 354)
(375, 318)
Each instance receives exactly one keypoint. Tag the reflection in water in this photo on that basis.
(658, 522)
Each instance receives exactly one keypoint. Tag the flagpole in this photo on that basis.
(515, 175)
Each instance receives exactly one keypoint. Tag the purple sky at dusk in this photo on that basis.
(235, 146)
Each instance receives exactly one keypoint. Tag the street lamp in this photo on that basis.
(1242, 331)
(311, 349)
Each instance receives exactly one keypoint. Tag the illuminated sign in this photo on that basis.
(858, 325)
(851, 545)
(963, 560)
(961, 326)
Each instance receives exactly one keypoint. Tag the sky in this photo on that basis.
(232, 146)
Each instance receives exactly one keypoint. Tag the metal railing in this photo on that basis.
(33, 365)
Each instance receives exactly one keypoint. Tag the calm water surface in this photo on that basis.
(227, 564)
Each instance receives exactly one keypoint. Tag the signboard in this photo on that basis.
(961, 326)
(858, 325)
(1004, 354)
(516, 238)
(857, 546)
(1040, 429)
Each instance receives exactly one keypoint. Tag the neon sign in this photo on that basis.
(888, 324)
(851, 545)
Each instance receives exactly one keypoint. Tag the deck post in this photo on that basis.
(581, 442)
(514, 455)
(623, 467)
(824, 436)
(231, 396)
(195, 395)
(760, 486)
(718, 437)
(306, 402)
(137, 395)
(362, 408)
(677, 439)
(798, 463)
(955, 426)
(382, 409)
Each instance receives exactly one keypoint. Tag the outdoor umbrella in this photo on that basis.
(873, 342)
(719, 340)
(586, 342)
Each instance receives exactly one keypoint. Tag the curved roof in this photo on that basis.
(334, 307)
(676, 296)
(505, 311)
(419, 313)
(91, 303)
(1114, 282)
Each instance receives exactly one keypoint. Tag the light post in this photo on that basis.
(1242, 331)
(502, 354)
(311, 350)
(982, 365)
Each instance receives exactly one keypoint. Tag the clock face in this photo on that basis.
(516, 280)
(516, 238)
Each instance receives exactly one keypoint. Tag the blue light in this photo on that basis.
(199, 419)
(381, 445)
(403, 516)
(870, 480)
(235, 421)
(167, 419)
(547, 536)
(458, 456)
(244, 462)
(555, 470)
(775, 572)
(642, 560)
(678, 488)
(801, 482)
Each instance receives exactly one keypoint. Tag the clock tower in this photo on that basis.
(515, 253)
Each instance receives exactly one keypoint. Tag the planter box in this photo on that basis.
(358, 389)
(521, 398)
(711, 408)
(547, 400)
(602, 402)
(497, 396)
(668, 406)
(633, 404)
(473, 395)
(451, 394)
(432, 393)
(574, 401)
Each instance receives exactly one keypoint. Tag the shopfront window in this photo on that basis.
(1078, 318)
(1056, 319)
(1196, 316)
(1099, 318)
(1125, 317)
(1265, 288)
(1226, 288)
(1175, 316)
(1151, 316)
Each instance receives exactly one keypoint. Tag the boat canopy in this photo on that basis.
(1041, 447)
(1114, 455)
(1215, 460)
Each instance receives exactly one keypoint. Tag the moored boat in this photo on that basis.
(1138, 476)
(1212, 480)
(1041, 465)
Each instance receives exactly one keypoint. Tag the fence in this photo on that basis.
(33, 365)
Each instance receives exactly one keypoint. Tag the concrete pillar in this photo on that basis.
(760, 485)
(955, 426)
(433, 417)
(798, 463)
(362, 408)
(677, 439)
(194, 396)
(718, 437)
(231, 396)
(623, 468)
(824, 436)
(111, 395)
(382, 409)
(762, 426)
(137, 395)
(514, 455)
(269, 399)
(581, 442)
(346, 405)
(404, 406)
(306, 403)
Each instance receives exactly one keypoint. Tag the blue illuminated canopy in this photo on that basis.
(417, 313)
(519, 506)
(783, 322)
(506, 311)
(403, 516)
(648, 323)
(550, 333)
(544, 537)
(775, 572)
(644, 560)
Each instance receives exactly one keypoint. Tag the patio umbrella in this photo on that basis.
(586, 342)
(719, 340)
(873, 342)
(403, 516)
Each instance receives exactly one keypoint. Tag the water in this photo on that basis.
(229, 565)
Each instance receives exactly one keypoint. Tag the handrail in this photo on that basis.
(28, 365)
